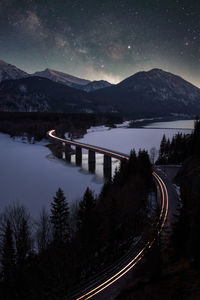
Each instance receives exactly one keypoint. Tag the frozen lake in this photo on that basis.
(30, 174)
(181, 124)
(125, 139)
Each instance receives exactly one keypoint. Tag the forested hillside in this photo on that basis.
(35, 125)
(172, 268)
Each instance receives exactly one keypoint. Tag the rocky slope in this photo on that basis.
(63, 78)
(72, 81)
(8, 71)
(41, 94)
(155, 92)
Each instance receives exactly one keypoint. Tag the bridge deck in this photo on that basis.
(100, 150)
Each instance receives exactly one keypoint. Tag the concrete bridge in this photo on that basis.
(108, 277)
(92, 150)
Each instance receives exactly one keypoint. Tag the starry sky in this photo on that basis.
(102, 39)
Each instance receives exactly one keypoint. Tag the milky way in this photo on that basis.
(98, 39)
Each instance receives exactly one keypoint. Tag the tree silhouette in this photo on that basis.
(8, 254)
(23, 243)
(60, 218)
(86, 208)
(43, 231)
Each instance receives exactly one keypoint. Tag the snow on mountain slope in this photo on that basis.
(155, 92)
(72, 81)
(163, 84)
(63, 78)
(8, 71)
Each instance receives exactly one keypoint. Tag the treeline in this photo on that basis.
(187, 227)
(185, 149)
(184, 254)
(34, 125)
(181, 147)
(172, 268)
(48, 258)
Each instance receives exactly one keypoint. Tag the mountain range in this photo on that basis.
(72, 81)
(8, 71)
(151, 93)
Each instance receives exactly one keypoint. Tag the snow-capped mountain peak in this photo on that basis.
(8, 71)
(61, 77)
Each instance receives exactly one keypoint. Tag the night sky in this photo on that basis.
(97, 39)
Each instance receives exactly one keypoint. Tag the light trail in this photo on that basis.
(163, 216)
(140, 255)
(89, 147)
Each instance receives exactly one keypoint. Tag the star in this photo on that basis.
(108, 36)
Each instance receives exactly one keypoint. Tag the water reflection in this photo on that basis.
(96, 167)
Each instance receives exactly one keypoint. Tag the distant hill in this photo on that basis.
(41, 94)
(96, 85)
(154, 93)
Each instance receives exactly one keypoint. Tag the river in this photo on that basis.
(30, 174)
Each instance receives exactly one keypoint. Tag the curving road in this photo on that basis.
(111, 276)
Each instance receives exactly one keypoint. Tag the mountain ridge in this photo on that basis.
(62, 77)
(156, 92)
(146, 93)
(41, 94)
(8, 71)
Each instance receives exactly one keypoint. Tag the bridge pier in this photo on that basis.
(78, 155)
(58, 149)
(107, 166)
(68, 150)
(58, 154)
(91, 160)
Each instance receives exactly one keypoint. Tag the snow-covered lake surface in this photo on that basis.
(30, 174)
(181, 124)
(125, 139)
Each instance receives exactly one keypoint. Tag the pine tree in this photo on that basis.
(8, 254)
(86, 208)
(132, 164)
(163, 146)
(105, 189)
(87, 228)
(60, 218)
(143, 162)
